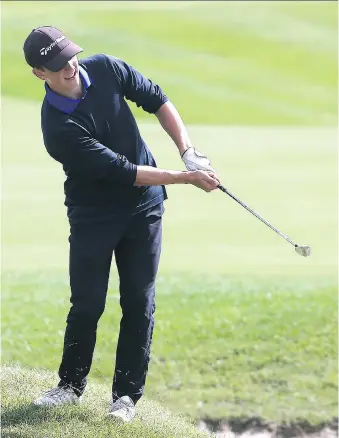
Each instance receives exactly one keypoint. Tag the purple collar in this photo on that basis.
(66, 104)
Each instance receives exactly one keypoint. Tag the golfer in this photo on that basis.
(114, 195)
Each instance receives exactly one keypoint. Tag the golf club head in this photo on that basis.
(303, 250)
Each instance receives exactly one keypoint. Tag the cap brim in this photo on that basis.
(59, 61)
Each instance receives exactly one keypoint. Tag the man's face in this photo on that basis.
(65, 80)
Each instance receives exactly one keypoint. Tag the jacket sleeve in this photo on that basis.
(84, 157)
(136, 87)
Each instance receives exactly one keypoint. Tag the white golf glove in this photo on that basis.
(194, 160)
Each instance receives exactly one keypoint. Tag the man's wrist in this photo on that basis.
(183, 149)
(181, 177)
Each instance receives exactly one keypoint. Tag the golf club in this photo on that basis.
(303, 250)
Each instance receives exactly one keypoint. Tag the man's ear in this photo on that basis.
(38, 73)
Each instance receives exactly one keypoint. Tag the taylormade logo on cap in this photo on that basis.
(45, 50)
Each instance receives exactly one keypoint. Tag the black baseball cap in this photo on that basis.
(48, 47)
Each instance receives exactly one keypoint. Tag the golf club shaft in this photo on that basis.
(223, 189)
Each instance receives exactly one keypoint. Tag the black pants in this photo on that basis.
(136, 243)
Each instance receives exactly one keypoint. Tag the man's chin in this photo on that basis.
(74, 83)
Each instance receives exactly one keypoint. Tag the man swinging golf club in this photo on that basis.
(114, 195)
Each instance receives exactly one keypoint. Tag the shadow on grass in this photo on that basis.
(5, 434)
(30, 414)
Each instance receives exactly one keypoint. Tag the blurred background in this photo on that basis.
(240, 316)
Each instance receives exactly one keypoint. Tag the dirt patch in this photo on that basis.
(258, 428)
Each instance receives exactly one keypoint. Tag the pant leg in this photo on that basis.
(91, 249)
(137, 258)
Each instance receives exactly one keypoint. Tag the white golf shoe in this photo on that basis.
(58, 396)
(123, 409)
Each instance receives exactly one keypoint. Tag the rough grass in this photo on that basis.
(222, 348)
(20, 419)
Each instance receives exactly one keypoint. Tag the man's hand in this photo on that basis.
(194, 160)
(206, 181)
(152, 176)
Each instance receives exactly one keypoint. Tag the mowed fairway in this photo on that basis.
(244, 326)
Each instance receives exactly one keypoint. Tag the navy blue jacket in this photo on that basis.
(97, 140)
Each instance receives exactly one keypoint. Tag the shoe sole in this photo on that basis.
(53, 405)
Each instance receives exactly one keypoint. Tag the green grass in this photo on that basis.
(220, 346)
(243, 63)
(244, 326)
(240, 316)
(22, 420)
(288, 175)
